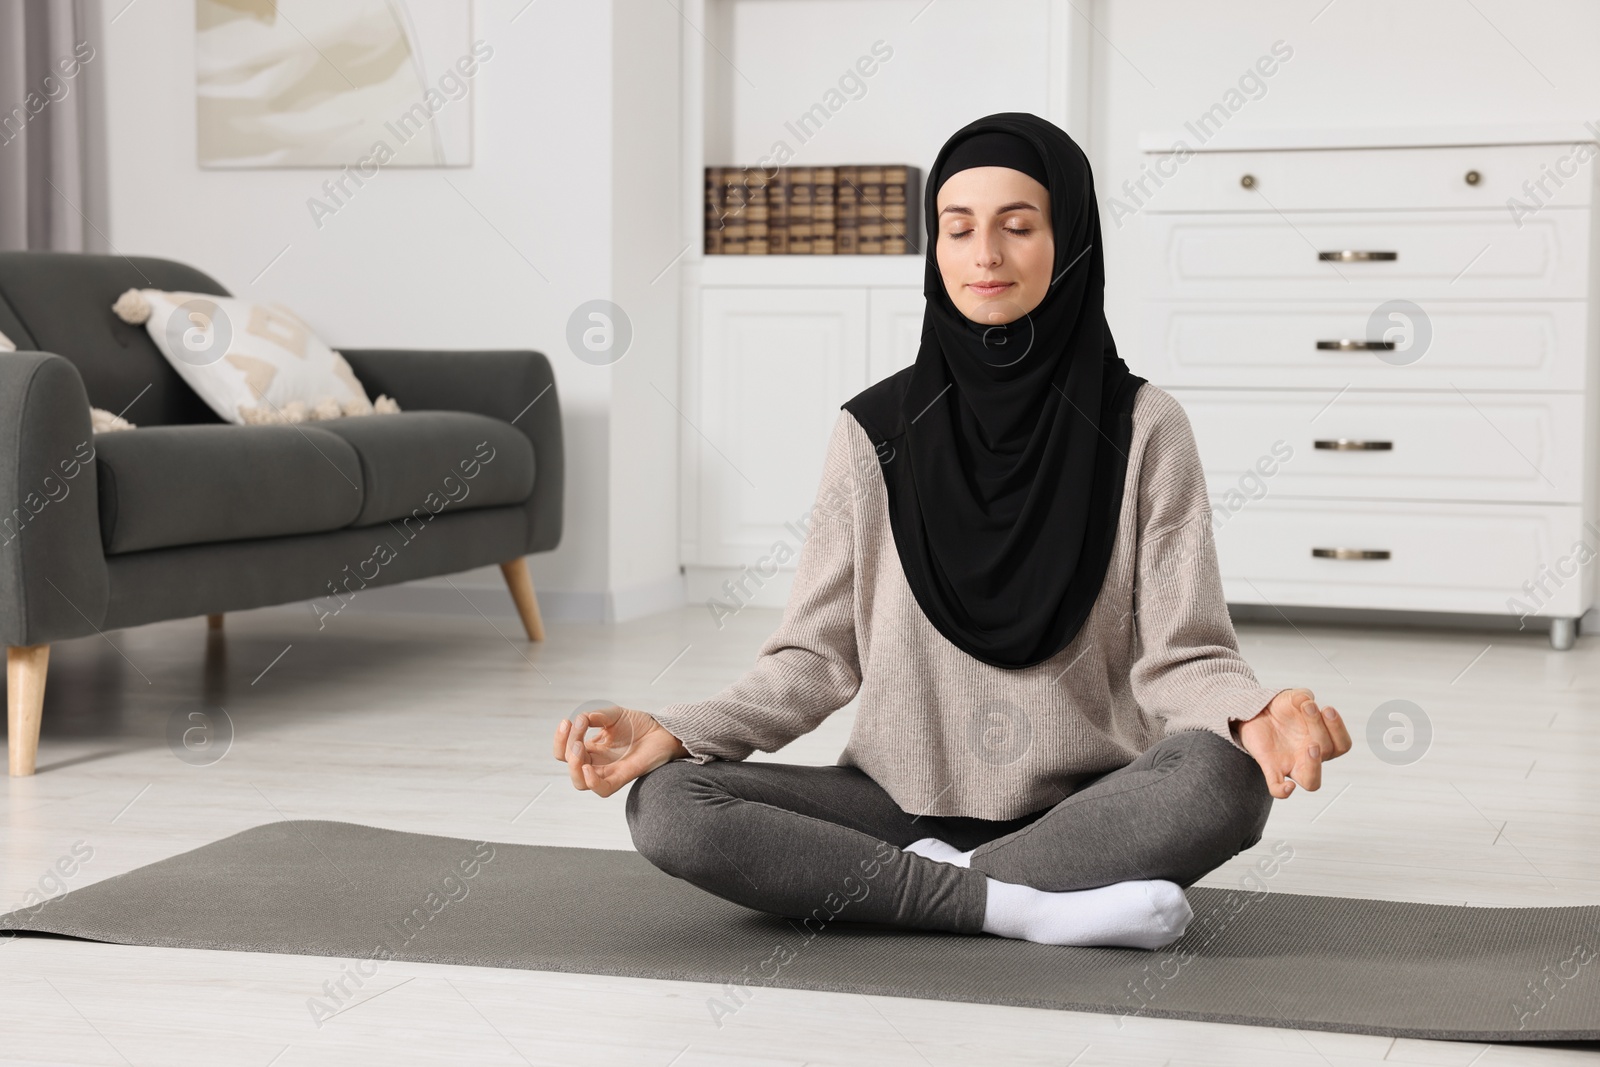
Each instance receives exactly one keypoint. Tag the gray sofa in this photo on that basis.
(189, 516)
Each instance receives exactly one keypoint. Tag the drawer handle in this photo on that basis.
(1345, 444)
(1352, 255)
(1349, 345)
(1350, 553)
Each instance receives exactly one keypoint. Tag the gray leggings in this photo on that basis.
(825, 841)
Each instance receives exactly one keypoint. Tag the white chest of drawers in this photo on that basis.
(1388, 356)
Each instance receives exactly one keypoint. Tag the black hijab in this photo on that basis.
(1004, 448)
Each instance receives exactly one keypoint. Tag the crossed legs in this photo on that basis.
(787, 839)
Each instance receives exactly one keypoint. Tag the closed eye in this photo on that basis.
(1019, 232)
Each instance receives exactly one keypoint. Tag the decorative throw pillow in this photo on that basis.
(103, 421)
(7, 344)
(251, 363)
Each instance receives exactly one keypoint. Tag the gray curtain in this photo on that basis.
(52, 126)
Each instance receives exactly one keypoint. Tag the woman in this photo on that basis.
(1010, 561)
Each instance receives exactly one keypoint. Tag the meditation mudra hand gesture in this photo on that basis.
(1291, 738)
(629, 744)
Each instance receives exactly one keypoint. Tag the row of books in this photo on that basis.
(858, 209)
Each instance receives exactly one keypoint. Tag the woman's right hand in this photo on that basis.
(630, 744)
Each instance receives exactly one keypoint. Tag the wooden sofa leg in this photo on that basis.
(521, 585)
(214, 622)
(25, 671)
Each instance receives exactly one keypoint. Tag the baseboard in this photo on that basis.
(637, 601)
(483, 591)
(729, 589)
(468, 593)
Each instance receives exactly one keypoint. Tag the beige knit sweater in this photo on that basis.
(946, 734)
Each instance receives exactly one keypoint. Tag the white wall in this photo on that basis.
(648, 248)
(453, 258)
(792, 53)
(1355, 63)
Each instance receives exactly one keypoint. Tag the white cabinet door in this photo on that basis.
(1419, 256)
(1361, 179)
(1523, 447)
(1493, 559)
(774, 366)
(1484, 345)
(896, 316)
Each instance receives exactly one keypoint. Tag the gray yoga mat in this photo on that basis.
(1269, 959)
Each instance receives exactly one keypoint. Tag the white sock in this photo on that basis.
(1145, 914)
(934, 849)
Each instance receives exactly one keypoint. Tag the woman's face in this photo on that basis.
(995, 247)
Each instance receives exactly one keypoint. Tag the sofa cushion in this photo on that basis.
(423, 462)
(163, 486)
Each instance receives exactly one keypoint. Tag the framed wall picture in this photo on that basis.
(307, 83)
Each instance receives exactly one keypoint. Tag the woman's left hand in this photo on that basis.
(1290, 738)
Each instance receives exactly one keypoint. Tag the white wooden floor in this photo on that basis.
(441, 724)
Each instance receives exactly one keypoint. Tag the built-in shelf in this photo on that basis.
(807, 271)
(773, 344)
